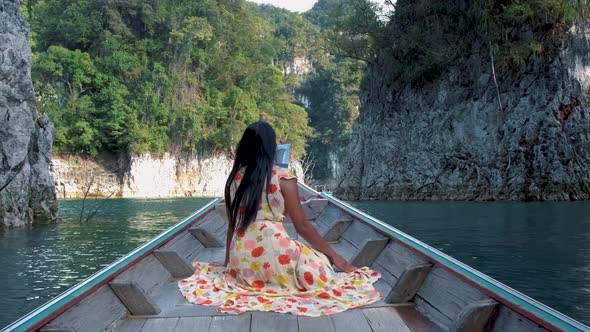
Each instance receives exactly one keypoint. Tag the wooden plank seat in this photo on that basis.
(178, 254)
(211, 231)
(136, 287)
(332, 223)
(393, 261)
(475, 316)
(313, 207)
(360, 244)
(407, 285)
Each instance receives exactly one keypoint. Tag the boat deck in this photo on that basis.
(389, 318)
(177, 314)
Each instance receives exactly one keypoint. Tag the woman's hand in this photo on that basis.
(342, 264)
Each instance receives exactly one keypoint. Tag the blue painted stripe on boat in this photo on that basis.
(528, 304)
(33, 318)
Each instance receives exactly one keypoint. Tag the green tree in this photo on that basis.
(156, 75)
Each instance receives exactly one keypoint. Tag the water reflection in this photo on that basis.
(540, 249)
(41, 262)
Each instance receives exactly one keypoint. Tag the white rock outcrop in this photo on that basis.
(143, 175)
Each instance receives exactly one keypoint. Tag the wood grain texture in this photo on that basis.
(210, 255)
(313, 207)
(344, 249)
(169, 297)
(177, 266)
(432, 313)
(231, 323)
(313, 324)
(475, 316)
(159, 324)
(189, 310)
(134, 298)
(508, 320)
(395, 258)
(207, 237)
(385, 274)
(358, 233)
(129, 325)
(273, 321)
(331, 213)
(385, 319)
(148, 274)
(333, 231)
(96, 312)
(184, 244)
(368, 252)
(408, 283)
(447, 293)
(210, 232)
(176, 256)
(351, 320)
(193, 324)
(415, 321)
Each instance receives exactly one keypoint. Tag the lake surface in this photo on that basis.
(540, 249)
(41, 262)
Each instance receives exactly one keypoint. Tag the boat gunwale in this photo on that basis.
(73, 295)
(470, 275)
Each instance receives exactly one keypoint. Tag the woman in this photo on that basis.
(264, 268)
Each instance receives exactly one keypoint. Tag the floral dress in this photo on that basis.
(269, 271)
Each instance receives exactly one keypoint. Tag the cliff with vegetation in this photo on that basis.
(137, 77)
(477, 101)
(155, 81)
(26, 189)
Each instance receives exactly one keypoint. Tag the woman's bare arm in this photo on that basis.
(304, 227)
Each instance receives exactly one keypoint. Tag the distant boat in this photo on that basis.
(423, 289)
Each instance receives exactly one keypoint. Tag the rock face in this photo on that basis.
(26, 188)
(452, 140)
(143, 175)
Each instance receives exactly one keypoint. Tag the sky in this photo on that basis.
(293, 5)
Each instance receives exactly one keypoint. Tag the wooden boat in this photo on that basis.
(424, 289)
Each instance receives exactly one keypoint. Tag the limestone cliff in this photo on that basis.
(26, 188)
(452, 140)
(143, 175)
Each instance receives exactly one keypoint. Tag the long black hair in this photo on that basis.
(256, 152)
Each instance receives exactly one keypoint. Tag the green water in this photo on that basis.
(43, 261)
(540, 249)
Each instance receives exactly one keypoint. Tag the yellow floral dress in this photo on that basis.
(269, 271)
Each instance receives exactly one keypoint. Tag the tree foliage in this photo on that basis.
(425, 38)
(151, 76)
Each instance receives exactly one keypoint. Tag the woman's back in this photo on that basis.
(274, 207)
